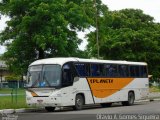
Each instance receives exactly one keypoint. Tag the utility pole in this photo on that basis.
(97, 35)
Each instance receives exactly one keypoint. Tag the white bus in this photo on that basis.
(76, 82)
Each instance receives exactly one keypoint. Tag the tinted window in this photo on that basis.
(97, 70)
(132, 71)
(111, 70)
(94, 70)
(143, 71)
(102, 70)
(135, 71)
(123, 70)
(82, 69)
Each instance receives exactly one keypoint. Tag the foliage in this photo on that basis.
(128, 35)
(154, 89)
(41, 29)
(12, 77)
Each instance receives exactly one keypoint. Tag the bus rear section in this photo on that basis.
(78, 82)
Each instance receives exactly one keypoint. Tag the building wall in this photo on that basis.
(3, 70)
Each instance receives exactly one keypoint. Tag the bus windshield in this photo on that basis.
(44, 76)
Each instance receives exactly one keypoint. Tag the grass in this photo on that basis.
(154, 89)
(7, 102)
(9, 90)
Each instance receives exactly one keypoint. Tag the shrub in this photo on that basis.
(12, 78)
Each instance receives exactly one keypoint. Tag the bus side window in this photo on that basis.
(137, 70)
(123, 70)
(97, 70)
(94, 70)
(67, 78)
(111, 70)
(132, 71)
(102, 70)
(106, 67)
(143, 71)
(82, 69)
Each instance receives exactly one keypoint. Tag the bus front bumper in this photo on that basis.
(44, 101)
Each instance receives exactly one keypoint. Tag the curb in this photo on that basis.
(148, 100)
(8, 111)
(156, 99)
(138, 101)
(21, 110)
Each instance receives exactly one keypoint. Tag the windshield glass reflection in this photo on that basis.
(44, 76)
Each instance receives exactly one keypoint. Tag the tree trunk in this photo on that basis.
(41, 53)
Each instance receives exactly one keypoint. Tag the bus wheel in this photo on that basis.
(106, 104)
(79, 102)
(131, 98)
(50, 109)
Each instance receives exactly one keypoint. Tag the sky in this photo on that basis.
(2, 26)
(150, 7)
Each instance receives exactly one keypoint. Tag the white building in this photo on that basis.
(3, 70)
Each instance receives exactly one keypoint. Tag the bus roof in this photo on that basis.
(63, 60)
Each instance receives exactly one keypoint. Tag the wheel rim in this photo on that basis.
(79, 102)
(131, 98)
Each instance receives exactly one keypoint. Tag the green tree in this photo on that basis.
(129, 35)
(43, 28)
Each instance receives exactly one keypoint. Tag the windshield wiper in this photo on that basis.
(36, 81)
(45, 80)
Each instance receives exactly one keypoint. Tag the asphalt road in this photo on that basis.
(139, 111)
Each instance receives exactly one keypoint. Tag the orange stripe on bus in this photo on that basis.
(32, 93)
(104, 87)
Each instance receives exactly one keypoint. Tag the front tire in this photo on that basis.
(50, 109)
(131, 98)
(79, 102)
